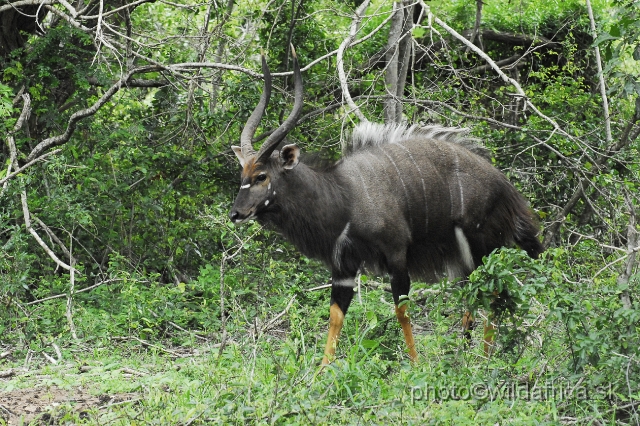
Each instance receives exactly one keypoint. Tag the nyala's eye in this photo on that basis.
(261, 177)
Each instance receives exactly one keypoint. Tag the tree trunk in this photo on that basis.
(15, 22)
(398, 59)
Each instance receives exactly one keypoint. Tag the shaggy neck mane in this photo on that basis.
(369, 134)
(314, 213)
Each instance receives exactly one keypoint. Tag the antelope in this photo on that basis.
(418, 203)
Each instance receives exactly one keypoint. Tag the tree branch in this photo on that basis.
(26, 166)
(13, 152)
(78, 115)
(16, 4)
(632, 242)
(502, 37)
(500, 73)
(391, 71)
(501, 63)
(603, 89)
(27, 223)
(476, 26)
(340, 62)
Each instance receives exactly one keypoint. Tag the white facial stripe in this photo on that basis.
(269, 186)
(245, 186)
(346, 282)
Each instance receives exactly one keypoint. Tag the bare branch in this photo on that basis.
(503, 37)
(553, 229)
(391, 71)
(340, 62)
(603, 89)
(23, 195)
(16, 4)
(476, 26)
(78, 115)
(26, 166)
(59, 296)
(24, 115)
(497, 69)
(27, 223)
(55, 238)
(72, 287)
(218, 65)
(67, 18)
(131, 5)
(501, 63)
(13, 152)
(632, 242)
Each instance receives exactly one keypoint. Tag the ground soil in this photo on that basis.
(38, 405)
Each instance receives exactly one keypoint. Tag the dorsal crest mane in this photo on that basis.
(370, 134)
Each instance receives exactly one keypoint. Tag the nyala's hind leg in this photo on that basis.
(341, 295)
(489, 331)
(400, 286)
(405, 323)
(489, 327)
(467, 326)
(489, 334)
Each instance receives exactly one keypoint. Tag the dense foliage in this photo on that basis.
(228, 324)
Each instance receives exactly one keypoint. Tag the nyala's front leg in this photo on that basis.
(341, 295)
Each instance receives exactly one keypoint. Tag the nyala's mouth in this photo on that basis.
(251, 216)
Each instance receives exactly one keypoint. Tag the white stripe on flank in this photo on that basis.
(465, 250)
(341, 242)
(457, 170)
(346, 282)
(424, 188)
(439, 148)
(364, 185)
(406, 193)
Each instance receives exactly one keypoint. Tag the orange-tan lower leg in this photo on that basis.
(490, 329)
(405, 322)
(336, 319)
(489, 333)
(467, 324)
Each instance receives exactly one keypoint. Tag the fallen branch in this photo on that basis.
(150, 345)
(57, 296)
(178, 327)
(7, 373)
(273, 321)
(320, 287)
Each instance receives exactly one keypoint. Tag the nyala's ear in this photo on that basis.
(290, 155)
(238, 152)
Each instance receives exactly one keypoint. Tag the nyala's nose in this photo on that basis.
(234, 215)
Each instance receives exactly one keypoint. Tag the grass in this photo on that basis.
(152, 353)
(271, 375)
